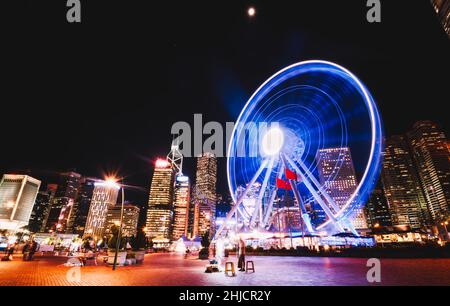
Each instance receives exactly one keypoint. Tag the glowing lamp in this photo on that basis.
(251, 11)
(273, 141)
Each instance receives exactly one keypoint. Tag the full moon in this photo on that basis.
(251, 11)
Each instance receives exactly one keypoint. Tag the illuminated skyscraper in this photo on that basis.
(104, 197)
(377, 210)
(130, 219)
(181, 207)
(431, 156)
(17, 196)
(337, 174)
(206, 179)
(401, 185)
(62, 203)
(78, 219)
(40, 210)
(160, 203)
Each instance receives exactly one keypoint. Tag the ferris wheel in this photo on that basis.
(302, 110)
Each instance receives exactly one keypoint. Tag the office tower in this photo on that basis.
(129, 222)
(442, 8)
(377, 209)
(17, 196)
(206, 179)
(337, 175)
(78, 220)
(40, 210)
(63, 201)
(104, 197)
(181, 207)
(401, 185)
(159, 213)
(431, 156)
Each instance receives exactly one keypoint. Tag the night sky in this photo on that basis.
(102, 95)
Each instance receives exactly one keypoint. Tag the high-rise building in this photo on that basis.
(63, 201)
(431, 156)
(160, 203)
(337, 175)
(17, 196)
(40, 210)
(442, 8)
(206, 180)
(104, 197)
(377, 210)
(181, 207)
(78, 219)
(401, 185)
(129, 222)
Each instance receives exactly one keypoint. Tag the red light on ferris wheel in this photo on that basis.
(162, 163)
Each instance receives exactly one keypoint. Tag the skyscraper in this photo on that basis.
(17, 196)
(159, 213)
(130, 219)
(40, 210)
(181, 207)
(377, 209)
(206, 180)
(78, 219)
(337, 175)
(104, 197)
(401, 185)
(431, 156)
(63, 201)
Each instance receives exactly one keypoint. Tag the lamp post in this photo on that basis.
(444, 224)
(119, 234)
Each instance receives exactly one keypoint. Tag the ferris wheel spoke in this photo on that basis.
(258, 206)
(269, 208)
(241, 198)
(317, 185)
(311, 189)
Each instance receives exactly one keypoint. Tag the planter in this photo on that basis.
(139, 256)
(121, 257)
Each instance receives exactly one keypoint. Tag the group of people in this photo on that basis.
(220, 253)
(28, 251)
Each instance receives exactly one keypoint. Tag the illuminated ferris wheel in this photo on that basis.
(300, 111)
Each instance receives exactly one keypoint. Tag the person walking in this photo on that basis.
(241, 260)
(33, 249)
(25, 251)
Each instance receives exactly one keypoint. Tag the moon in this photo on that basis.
(251, 12)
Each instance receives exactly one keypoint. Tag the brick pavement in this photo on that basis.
(174, 270)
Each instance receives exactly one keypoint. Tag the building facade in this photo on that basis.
(103, 198)
(431, 156)
(377, 210)
(160, 203)
(206, 180)
(129, 222)
(401, 184)
(17, 196)
(337, 175)
(40, 210)
(181, 207)
(62, 203)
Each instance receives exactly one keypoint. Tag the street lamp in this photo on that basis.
(113, 183)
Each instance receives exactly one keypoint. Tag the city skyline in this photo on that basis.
(227, 75)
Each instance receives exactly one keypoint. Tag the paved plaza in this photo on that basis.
(174, 270)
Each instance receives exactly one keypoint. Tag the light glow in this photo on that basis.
(161, 163)
(273, 141)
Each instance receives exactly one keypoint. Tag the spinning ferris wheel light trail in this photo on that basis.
(304, 108)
